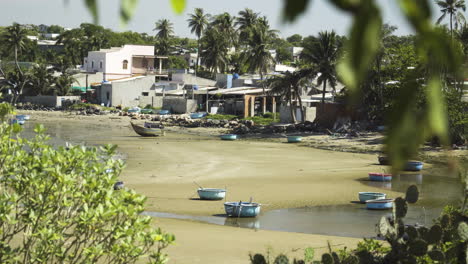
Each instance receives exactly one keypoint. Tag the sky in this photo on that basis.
(71, 13)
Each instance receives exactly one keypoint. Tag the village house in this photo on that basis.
(126, 61)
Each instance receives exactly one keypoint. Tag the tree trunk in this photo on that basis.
(451, 30)
(323, 94)
(300, 105)
(291, 109)
(198, 57)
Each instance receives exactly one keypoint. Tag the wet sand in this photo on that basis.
(278, 175)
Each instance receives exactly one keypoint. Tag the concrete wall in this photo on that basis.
(191, 79)
(224, 80)
(310, 113)
(125, 92)
(179, 105)
(154, 101)
(49, 100)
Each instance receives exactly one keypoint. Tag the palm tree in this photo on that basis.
(224, 23)
(165, 29)
(323, 54)
(15, 37)
(246, 20)
(257, 55)
(452, 8)
(74, 45)
(214, 50)
(198, 22)
(63, 84)
(42, 79)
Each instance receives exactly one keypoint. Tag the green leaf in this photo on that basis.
(362, 46)
(127, 10)
(436, 110)
(293, 8)
(92, 7)
(178, 6)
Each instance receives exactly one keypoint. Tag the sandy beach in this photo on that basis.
(274, 173)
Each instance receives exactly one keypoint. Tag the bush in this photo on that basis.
(58, 205)
(457, 111)
(220, 117)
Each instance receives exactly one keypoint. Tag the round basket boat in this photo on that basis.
(365, 196)
(228, 137)
(164, 112)
(413, 166)
(294, 139)
(242, 209)
(379, 204)
(197, 115)
(376, 176)
(211, 193)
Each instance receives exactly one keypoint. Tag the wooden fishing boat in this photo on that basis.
(153, 125)
(242, 209)
(383, 160)
(17, 121)
(294, 139)
(413, 165)
(147, 132)
(376, 176)
(211, 193)
(197, 115)
(365, 196)
(379, 204)
(118, 185)
(228, 137)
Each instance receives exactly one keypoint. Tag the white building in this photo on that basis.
(296, 52)
(126, 61)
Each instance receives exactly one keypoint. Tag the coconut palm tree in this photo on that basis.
(15, 37)
(198, 22)
(323, 54)
(63, 84)
(245, 21)
(224, 23)
(214, 50)
(454, 9)
(42, 79)
(165, 29)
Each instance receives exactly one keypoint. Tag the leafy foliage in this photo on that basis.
(58, 205)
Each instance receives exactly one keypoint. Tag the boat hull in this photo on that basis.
(197, 115)
(18, 121)
(147, 132)
(379, 204)
(413, 166)
(164, 112)
(365, 196)
(382, 177)
(294, 139)
(146, 111)
(229, 137)
(211, 194)
(242, 209)
(22, 117)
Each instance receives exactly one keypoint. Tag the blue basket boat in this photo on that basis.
(211, 193)
(376, 176)
(413, 166)
(164, 112)
(197, 115)
(17, 121)
(228, 137)
(242, 209)
(379, 204)
(294, 139)
(23, 117)
(365, 196)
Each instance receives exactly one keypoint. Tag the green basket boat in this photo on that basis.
(294, 139)
(228, 137)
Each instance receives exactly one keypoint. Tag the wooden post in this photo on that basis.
(252, 106)
(273, 104)
(160, 65)
(246, 105)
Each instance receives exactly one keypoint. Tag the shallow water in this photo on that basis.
(342, 220)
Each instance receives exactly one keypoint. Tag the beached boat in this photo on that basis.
(118, 185)
(134, 110)
(153, 125)
(376, 176)
(164, 112)
(146, 111)
(147, 132)
(383, 160)
(294, 139)
(379, 204)
(17, 121)
(413, 165)
(23, 117)
(211, 193)
(197, 115)
(228, 137)
(242, 209)
(365, 196)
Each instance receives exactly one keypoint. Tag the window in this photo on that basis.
(145, 93)
(125, 64)
(100, 65)
(92, 64)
